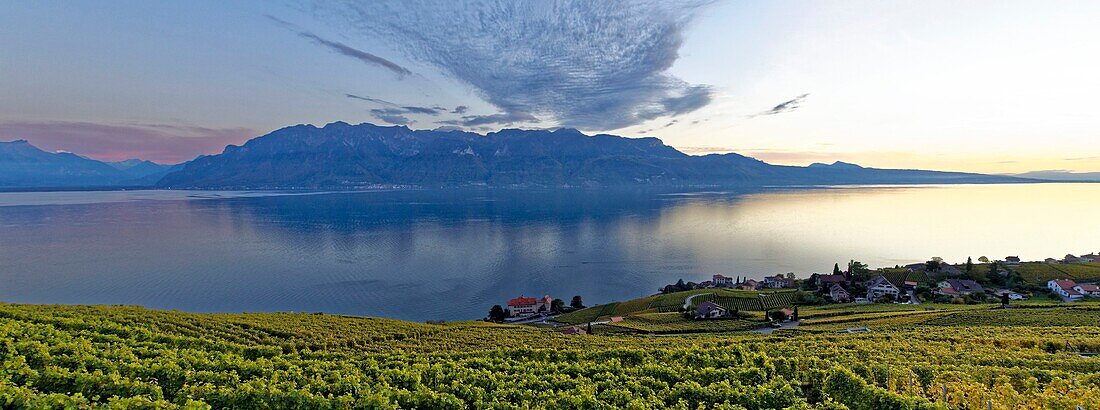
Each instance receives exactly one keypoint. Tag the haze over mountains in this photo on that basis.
(343, 156)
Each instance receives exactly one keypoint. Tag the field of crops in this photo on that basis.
(1040, 273)
(672, 322)
(733, 299)
(74, 356)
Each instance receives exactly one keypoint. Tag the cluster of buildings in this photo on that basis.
(770, 282)
(1070, 290)
(1069, 258)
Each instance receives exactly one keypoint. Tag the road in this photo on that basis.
(687, 301)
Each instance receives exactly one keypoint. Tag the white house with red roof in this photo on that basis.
(1088, 289)
(1064, 288)
(527, 306)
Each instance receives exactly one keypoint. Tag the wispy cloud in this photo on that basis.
(373, 100)
(344, 49)
(595, 65)
(786, 106)
(164, 143)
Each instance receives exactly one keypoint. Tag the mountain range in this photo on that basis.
(344, 156)
(23, 165)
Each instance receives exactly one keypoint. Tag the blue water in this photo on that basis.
(452, 254)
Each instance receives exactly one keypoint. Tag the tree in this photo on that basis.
(497, 314)
(790, 275)
(777, 315)
(994, 270)
(858, 271)
(1004, 300)
(557, 306)
(836, 269)
(983, 259)
(577, 303)
(969, 265)
(932, 265)
(794, 317)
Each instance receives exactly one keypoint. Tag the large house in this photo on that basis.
(1064, 288)
(748, 284)
(527, 306)
(1012, 260)
(827, 281)
(1087, 289)
(839, 295)
(960, 287)
(879, 287)
(721, 281)
(778, 282)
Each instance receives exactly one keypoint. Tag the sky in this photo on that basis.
(981, 86)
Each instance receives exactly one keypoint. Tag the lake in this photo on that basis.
(422, 255)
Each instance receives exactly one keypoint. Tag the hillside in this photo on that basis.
(23, 165)
(87, 356)
(340, 155)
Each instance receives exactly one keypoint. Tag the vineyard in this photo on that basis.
(1040, 273)
(86, 357)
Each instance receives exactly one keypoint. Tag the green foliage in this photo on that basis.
(125, 357)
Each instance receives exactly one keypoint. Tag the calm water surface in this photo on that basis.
(451, 255)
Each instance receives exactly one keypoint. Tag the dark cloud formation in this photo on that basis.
(391, 117)
(460, 109)
(164, 143)
(493, 119)
(595, 65)
(345, 49)
(786, 106)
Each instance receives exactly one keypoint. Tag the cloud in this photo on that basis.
(374, 100)
(492, 119)
(460, 109)
(396, 114)
(786, 106)
(164, 143)
(396, 119)
(596, 65)
(345, 49)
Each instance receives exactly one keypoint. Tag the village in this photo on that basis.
(778, 296)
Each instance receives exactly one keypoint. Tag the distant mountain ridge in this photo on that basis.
(23, 165)
(340, 155)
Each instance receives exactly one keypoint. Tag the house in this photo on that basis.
(839, 295)
(778, 282)
(1012, 260)
(1070, 259)
(749, 284)
(709, 310)
(1011, 295)
(1064, 288)
(721, 281)
(1092, 257)
(526, 306)
(948, 291)
(705, 284)
(574, 330)
(879, 287)
(1087, 289)
(827, 281)
(962, 286)
(1051, 261)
